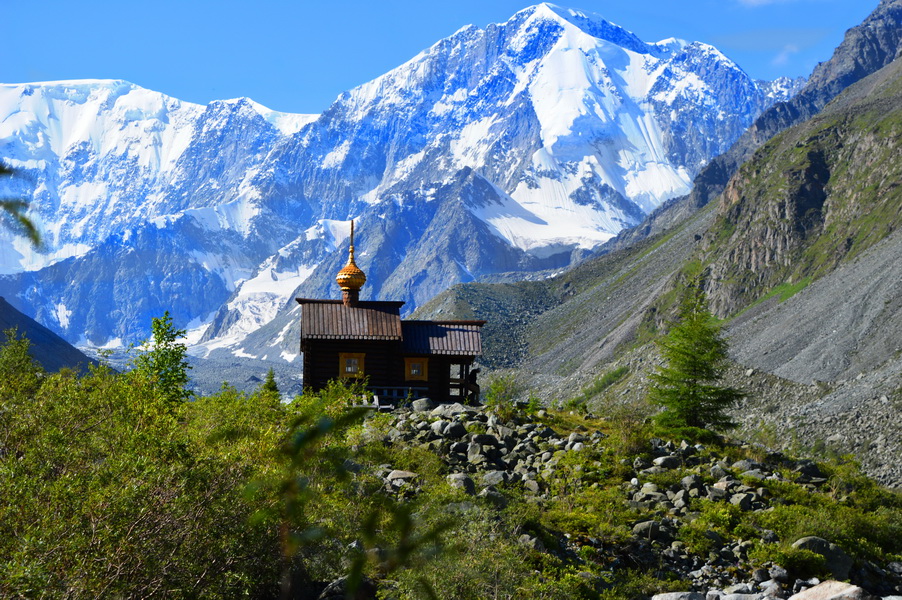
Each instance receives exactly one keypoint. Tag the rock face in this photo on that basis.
(811, 197)
(520, 147)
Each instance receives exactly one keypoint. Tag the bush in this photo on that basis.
(802, 564)
(501, 393)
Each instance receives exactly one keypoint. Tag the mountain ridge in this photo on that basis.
(534, 122)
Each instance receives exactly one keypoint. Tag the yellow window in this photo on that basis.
(350, 364)
(416, 369)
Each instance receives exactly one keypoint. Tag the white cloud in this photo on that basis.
(785, 54)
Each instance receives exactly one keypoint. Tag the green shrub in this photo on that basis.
(501, 393)
(800, 563)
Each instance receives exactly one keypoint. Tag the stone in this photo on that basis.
(576, 437)
(647, 530)
(423, 404)
(743, 501)
(532, 485)
(836, 560)
(338, 590)
(455, 430)
(717, 471)
(778, 573)
(459, 447)
(463, 482)
(494, 478)
(715, 494)
(691, 481)
(832, 590)
(679, 596)
(439, 427)
(773, 589)
(450, 410)
(493, 496)
(668, 462)
(745, 465)
(473, 449)
(484, 439)
(398, 474)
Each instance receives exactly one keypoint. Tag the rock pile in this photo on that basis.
(485, 456)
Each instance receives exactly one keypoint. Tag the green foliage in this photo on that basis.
(269, 384)
(20, 372)
(162, 363)
(335, 399)
(501, 393)
(631, 584)
(105, 495)
(696, 355)
(107, 492)
(801, 563)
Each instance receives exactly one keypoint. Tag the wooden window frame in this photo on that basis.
(423, 376)
(342, 364)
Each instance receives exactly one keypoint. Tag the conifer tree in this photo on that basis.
(688, 386)
(269, 384)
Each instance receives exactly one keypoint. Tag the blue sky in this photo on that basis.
(298, 56)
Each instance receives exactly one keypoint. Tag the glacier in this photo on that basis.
(517, 147)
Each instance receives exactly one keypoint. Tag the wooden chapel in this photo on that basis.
(352, 338)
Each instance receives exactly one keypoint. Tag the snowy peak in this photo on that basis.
(593, 25)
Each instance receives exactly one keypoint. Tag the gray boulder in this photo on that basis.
(668, 462)
(494, 478)
(463, 482)
(837, 561)
(423, 404)
(398, 474)
(648, 530)
(832, 590)
(679, 596)
(450, 410)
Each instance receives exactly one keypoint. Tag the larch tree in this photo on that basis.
(689, 385)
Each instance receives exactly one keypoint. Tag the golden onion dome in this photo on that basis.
(351, 277)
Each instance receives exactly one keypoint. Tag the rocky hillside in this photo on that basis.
(718, 519)
(801, 256)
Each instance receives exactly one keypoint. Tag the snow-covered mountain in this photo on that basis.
(517, 147)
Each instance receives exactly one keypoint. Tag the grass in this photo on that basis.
(599, 385)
